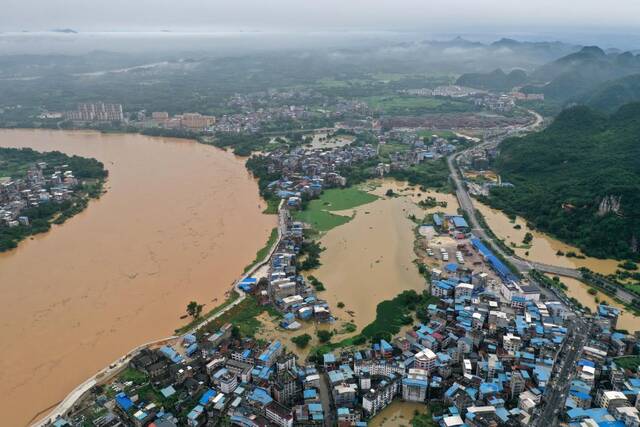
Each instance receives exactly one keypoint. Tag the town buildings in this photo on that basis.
(42, 184)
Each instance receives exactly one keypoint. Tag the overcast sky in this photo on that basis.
(411, 15)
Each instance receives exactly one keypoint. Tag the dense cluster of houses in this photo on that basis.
(35, 188)
(285, 288)
(415, 149)
(449, 91)
(306, 172)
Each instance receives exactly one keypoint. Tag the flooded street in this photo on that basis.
(543, 248)
(179, 222)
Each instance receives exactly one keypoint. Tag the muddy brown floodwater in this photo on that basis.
(397, 414)
(580, 291)
(179, 222)
(370, 258)
(543, 247)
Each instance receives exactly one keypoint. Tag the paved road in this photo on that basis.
(327, 400)
(564, 371)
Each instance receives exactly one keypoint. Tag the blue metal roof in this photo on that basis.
(459, 222)
(123, 401)
(207, 396)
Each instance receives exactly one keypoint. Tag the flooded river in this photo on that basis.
(179, 222)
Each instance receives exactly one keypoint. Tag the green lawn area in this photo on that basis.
(395, 102)
(272, 206)
(318, 213)
(628, 362)
(330, 83)
(232, 297)
(423, 420)
(134, 376)
(441, 133)
(321, 220)
(339, 199)
(392, 314)
(388, 148)
(634, 288)
(242, 315)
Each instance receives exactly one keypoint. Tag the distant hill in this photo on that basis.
(64, 30)
(609, 96)
(578, 179)
(577, 74)
(496, 80)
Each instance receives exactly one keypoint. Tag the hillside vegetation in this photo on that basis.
(496, 80)
(578, 180)
(609, 96)
(578, 74)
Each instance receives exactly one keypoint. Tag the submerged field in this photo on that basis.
(370, 259)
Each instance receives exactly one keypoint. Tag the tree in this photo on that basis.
(194, 309)
(235, 333)
(324, 336)
(301, 341)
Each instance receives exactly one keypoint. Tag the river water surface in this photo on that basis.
(179, 222)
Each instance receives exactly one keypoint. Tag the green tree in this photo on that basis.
(301, 341)
(324, 336)
(194, 309)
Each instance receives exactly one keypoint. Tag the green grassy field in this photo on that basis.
(402, 105)
(447, 134)
(338, 199)
(318, 214)
(388, 148)
(401, 102)
(634, 288)
(391, 315)
(321, 220)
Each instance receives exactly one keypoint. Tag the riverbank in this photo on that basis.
(130, 259)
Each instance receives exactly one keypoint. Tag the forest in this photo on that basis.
(578, 180)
